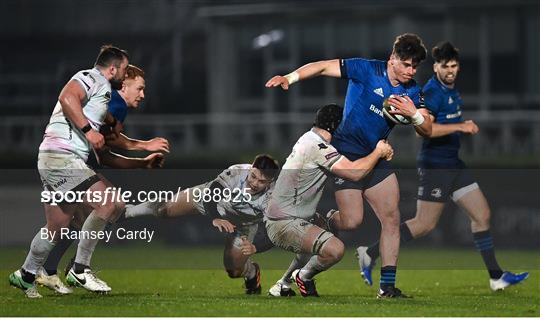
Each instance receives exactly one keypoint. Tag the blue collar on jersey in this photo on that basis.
(118, 107)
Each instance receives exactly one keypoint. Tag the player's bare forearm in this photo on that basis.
(439, 130)
(113, 160)
(123, 142)
(325, 68)
(424, 129)
(358, 169)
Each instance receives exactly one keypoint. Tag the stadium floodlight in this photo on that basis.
(265, 39)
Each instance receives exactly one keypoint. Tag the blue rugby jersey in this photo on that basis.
(363, 123)
(118, 107)
(445, 105)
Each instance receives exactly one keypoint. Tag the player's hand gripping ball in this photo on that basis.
(395, 118)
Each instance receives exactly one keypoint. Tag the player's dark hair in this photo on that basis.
(109, 55)
(409, 46)
(328, 117)
(444, 52)
(268, 166)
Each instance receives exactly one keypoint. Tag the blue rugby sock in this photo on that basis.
(388, 276)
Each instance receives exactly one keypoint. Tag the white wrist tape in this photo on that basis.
(292, 77)
(417, 118)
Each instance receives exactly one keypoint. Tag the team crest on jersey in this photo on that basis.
(379, 92)
(108, 96)
(436, 192)
(322, 146)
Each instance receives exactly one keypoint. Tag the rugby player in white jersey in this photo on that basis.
(235, 201)
(72, 133)
(297, 193)
(128, 96)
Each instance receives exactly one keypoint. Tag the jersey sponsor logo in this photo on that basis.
(322, 146)
(60, 183)
(453, 115)
(450, 100)
(421, 102)
(331, 155)
(436, 192)
(379, 92)
(376, 110)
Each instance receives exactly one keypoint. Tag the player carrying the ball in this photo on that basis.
(443, 175)
(371, 82)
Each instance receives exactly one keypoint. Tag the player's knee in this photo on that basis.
(351, 222)
(119, 208)
(333, 249)
(234, 272)
(390, 217)
(482, 219)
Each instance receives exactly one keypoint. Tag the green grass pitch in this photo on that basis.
(158, 281)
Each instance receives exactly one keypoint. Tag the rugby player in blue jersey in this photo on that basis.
(371, 82)
(443, 175)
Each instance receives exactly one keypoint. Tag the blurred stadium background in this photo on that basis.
(206, 63)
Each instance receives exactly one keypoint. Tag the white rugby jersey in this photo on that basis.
(300, 184)
(243, 211)
(60, 134)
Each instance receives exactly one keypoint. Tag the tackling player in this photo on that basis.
(297, 193)
(235, 201)
(72, 132)
(129, 95)
(371, 82)
(443, 175)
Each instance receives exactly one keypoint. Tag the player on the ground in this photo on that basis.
(128, 96)
(443, 175)
(72, 133)
(371, 82)
(297, 193)
(235, 201)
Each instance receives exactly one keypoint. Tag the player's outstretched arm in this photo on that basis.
(121, 141)
(70, 99)
(467, 127)
(113, 160)
(356, 170)
(326, 67)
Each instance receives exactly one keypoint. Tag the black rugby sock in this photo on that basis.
(79, 268)
(27, 276)
(484, 243)
(51, 264)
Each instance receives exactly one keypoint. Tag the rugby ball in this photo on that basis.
(395, 118)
